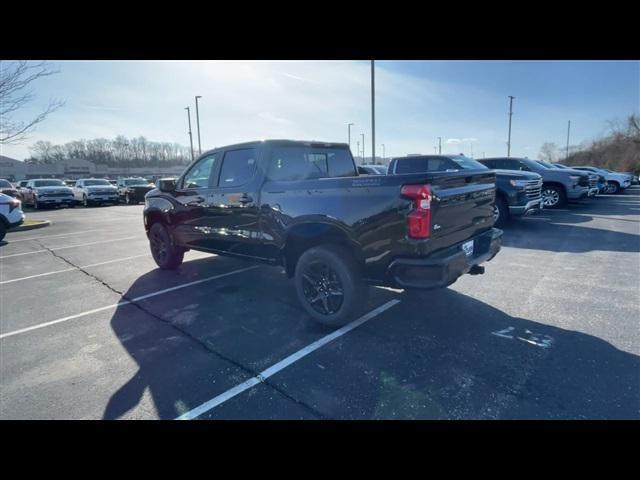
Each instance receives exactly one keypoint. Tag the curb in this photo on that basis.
(24, 228)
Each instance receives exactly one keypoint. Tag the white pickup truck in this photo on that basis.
(92, 191)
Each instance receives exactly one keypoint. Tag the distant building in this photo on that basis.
(15, 170)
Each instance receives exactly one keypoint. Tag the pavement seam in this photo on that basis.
(205, 345)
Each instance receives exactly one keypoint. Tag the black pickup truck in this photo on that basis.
(303, 206)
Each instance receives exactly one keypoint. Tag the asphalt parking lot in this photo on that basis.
(91, 329)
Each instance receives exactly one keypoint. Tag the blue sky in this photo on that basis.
(416, 101)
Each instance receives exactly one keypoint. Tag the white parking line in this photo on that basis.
(68, 246)
(73, 268)
(53, 236)
(124, 302)
(282, 364)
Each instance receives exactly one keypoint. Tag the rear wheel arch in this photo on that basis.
(304, 236)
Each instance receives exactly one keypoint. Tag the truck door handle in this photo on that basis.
(197, 201)
(245, 198)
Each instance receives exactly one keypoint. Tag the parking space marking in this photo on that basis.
(74, 268)
(124, 302)
(282, 364)
(52, 236)
(68, 246)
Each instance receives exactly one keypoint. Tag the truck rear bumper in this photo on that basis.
(446, 266)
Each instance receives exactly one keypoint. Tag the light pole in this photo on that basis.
(190, 135)
(439, 145)
(362, 135)
(198, 124)
(383, 154)
(373, 112)
(435, 150)
(568, 130)
(349, 130)
(510, 114)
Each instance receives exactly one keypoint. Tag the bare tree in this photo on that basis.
(16, 78)
(549, 152)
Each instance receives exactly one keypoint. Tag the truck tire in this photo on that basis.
(166, 255)
(500, 212)
(613, 188)
(553, 196)
(35, 203)
(329, 285)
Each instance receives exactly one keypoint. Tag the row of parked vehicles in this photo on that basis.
(337, 228)
(523, 186)
(51, 192)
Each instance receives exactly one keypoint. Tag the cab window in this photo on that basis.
(200, 175)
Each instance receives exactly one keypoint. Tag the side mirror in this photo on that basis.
(167, 185)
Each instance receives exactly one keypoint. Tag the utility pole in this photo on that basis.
(198, 124)
(568, 130)
(363, 162)
(510, 114)
(190, 135)
(471, 146)
(439, 145)
(383, 154)
(358, 148)
(349, 130)
(435, 150)
(373, 112)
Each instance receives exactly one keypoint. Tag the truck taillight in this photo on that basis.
(419, 220)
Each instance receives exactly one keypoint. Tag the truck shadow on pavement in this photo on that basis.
(436, 354)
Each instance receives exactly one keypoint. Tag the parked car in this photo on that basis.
(11, 215)
(618, 181)
(133, 190)
(372, 169)
(517, 193)
(603, 185)
(593, 177)
(7, 188)
(303, 206)
(95, 191)
(558, 186)
(41, 192)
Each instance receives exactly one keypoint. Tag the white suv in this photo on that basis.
(11, 215)
(90, 191)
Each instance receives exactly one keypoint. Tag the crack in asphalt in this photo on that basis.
(205, 345)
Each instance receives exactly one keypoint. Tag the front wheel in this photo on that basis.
(166, 255)
(613, 187)
(553, 196)
(36, 206)
(329, 285)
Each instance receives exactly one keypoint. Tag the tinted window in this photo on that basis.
(468, 163)
(237, 167)
(5, 184)
(200, 175)
(506, 164)
(302, 163)
(48, 183)
(425, 164)
(90, 183)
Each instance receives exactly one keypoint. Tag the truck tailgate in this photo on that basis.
(462, 206)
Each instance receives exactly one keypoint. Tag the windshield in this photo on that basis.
(545, 164)
(48, 183)
(5, 184)
(138, 181)
(92, 183)
(469, 163)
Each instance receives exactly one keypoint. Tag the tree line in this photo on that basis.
(618, 150)
(119, 152)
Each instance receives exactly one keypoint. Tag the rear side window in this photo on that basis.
(238, 167)
(303, 163)
(5, 184)
(425, 164)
